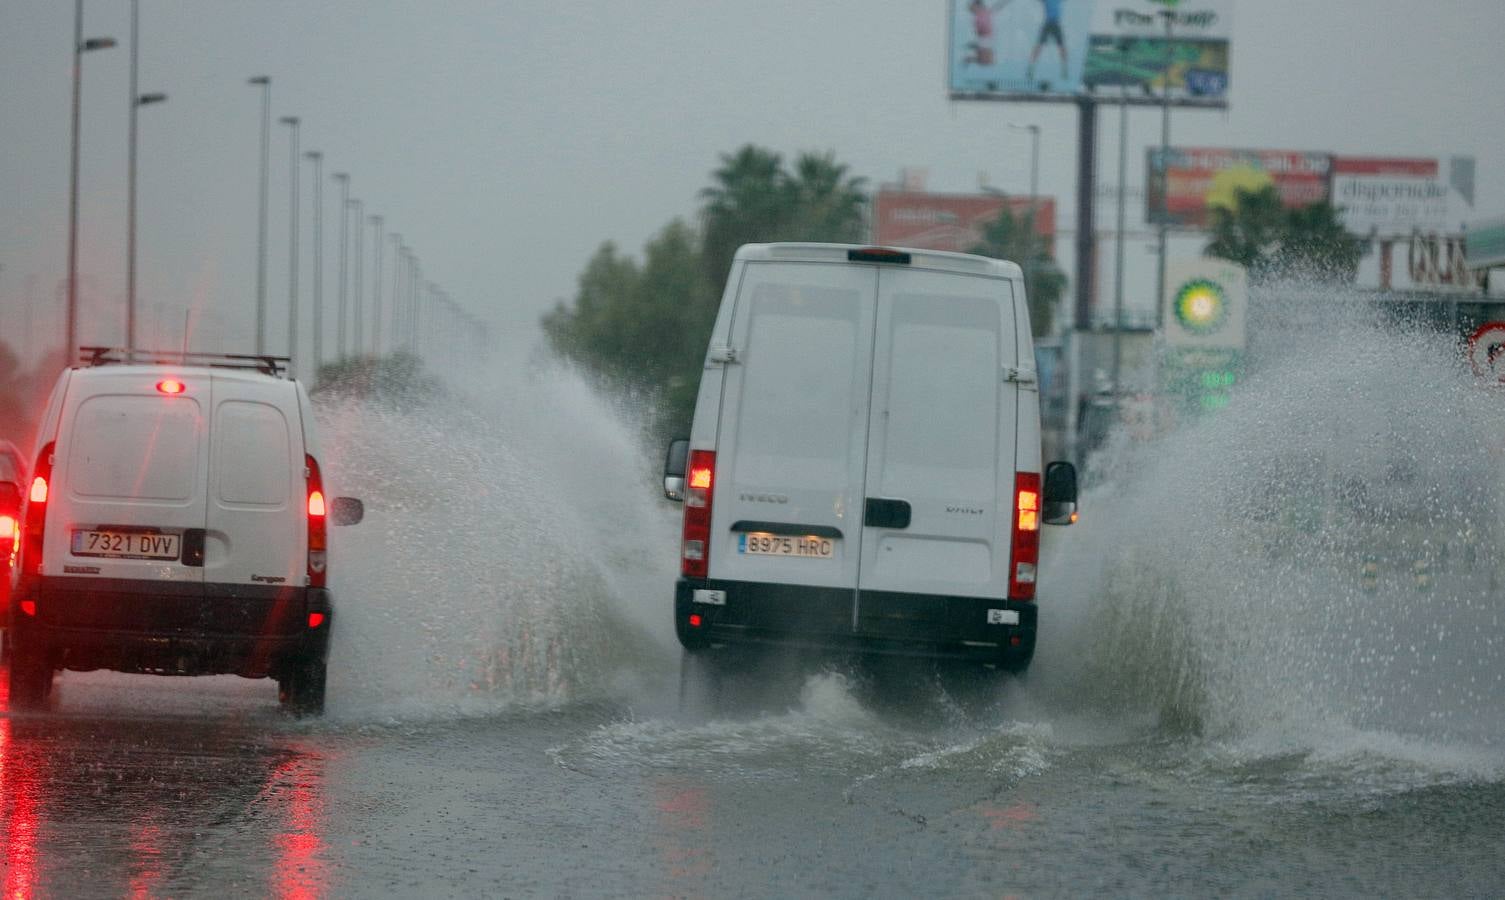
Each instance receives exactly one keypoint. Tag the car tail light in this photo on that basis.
(315, 620)
(318, 525)
(35, 512)
(170, 386)
(695, 551)
(12, 527)
(1026, 543)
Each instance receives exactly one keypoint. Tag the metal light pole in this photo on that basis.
(80, 46)
(292, 266)
(396, 336)
(317, 159)
(341, 310)
(1165, 148)
(376, 222)
(1118, 266)
(265, 83)
(357, 344)
(138, 100)
(1034, 160)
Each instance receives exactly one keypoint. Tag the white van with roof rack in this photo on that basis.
(175, 523)
(864, 469)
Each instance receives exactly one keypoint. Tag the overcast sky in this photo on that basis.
(506, 140)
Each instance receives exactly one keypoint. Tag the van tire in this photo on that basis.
(300, 689)
(31, 678)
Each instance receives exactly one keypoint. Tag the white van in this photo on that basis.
(176, 523)
(863, 472)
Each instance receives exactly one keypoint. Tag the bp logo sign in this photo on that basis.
(1204, 304)
(1201, 306)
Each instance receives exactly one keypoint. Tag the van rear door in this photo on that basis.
(129, 489)
(255, 560)
(794, 419)
(941, 445)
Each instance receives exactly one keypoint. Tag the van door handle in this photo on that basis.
(193, 546)
(883, 512)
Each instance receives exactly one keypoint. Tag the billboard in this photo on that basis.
(1189, 182)
(949, 221)
(1057, 49)
(1394, 197)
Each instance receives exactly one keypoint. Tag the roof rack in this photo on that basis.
(275, 366)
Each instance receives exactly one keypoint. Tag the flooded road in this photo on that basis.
(142, 786)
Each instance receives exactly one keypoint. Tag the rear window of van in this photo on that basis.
(135, 448)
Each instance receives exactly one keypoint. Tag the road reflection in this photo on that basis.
(112, 801)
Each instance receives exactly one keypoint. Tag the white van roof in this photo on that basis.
(966, 263)
(158, 370)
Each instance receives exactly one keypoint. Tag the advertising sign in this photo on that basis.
(1391, 197)
(1189, 182)
(949, 221)
(1056, 49)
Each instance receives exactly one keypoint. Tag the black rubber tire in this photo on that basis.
(31, 677)
(301, 689)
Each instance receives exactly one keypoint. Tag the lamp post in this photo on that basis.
(138, 100)
(317, 159)
(1034, 160)
(265, 83)
(341, 310)
(80, 47)
(359, 230)
(376, 240)
(396, 335)
(1118, 265)
(1165, 149)
(292, 266)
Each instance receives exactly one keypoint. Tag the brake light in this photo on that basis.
(315, 620)
(1026, 539)
(318, 535)
(15, 539)
(35, 513)
(170, 386)
(695, 550)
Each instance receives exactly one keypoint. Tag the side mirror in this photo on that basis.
(675, 462)
(1060, 494)
(346, 511)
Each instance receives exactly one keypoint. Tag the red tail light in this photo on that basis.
(318, 526)
(1026, 545)
(695, 550)
(170, 386)
(35, 513)
(315, 620)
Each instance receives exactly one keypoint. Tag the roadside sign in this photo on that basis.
(1204, 304)
(1486, 351)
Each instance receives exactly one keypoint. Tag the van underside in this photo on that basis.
(171, 628)
(874, 622)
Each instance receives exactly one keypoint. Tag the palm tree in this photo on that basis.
(829, 205)
(1015, 238)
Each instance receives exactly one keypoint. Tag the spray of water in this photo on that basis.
(1312, 569)
(512, 554)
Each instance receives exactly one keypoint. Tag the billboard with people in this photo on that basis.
(1041, 49)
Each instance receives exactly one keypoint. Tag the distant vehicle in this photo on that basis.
(12, 475)
(864, 469)
(176, 524)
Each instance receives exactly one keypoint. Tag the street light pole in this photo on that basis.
(1118, 265)
(359, 230)
(265, 83)
(138, 100)
(396, 336)
(1034, 160)
(292, 266)
(376, 241)
(317, 159)
(80, 46)
(341, 310)
(1165, 149)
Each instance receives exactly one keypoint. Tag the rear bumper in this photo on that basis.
(818, 618)
(172, 628)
